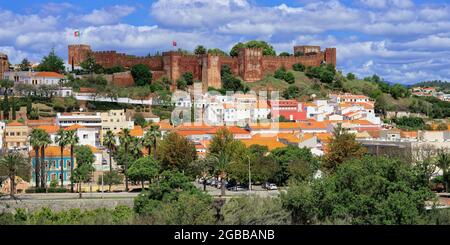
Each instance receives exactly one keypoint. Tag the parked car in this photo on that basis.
(272, 186)
(269, 186)
(239, 188)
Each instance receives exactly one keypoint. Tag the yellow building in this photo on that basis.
(116, 121)
(16, 136)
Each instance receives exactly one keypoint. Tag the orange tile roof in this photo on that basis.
(408, 134)
(51, 129)
(15, 123)
(87, 90)
(49, 74)
(73, 127)
(137, 131)
(52, 152)
(324, 137)
(270, 142)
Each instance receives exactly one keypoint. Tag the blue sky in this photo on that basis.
(404, 41)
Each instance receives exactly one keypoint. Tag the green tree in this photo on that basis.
(399, 91)
(176, 152)
(83, 172)
(14, 164)
(25, 65)
(254, 210)
(35, 142)
(109, 140)
(143, 169)
(267, 49)
(62, 142)
(72, 140)
(44, 141)
(284, 54)
(280, 73)
(298, 67)
(342, 147)
(141, 74)
(7, 85)
(111, 178)
(200, 50)
(370, 190)
(235, 49)
(188, 77)
(351, 76)
(217, 52)
(291, 92)
(443, 163)
(125, 141)
(51, 62)
(289, 77)
(89, 64)
(294, 163)
(181, 84)
(150, 139)
(139, 120)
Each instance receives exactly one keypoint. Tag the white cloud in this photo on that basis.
(109, 15)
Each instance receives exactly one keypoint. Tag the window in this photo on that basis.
(85, 136)
(68, 163)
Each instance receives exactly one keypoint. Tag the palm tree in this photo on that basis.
(220, 162)
(125, 140)
(35, 137)
(44, 141)
(147, 141)
(135, 148)
(109, 140)
(443, 162)
(154, 134)
(15, 165)
(72, 140)
(61, 140)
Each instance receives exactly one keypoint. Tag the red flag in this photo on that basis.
(174, 43)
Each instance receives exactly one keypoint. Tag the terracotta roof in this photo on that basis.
(324, 137)
(15, 123)
(51, 129)
(408, 134)
(52, 152)
(94, 149)
(270, 142)
(74, 127)
(374, 133)
(49, 74)
(137, 131)
(87, 90)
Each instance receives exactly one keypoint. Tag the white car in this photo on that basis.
(272, 187)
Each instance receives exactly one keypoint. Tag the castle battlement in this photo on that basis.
(250, 64)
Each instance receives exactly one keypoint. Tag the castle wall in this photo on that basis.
(4, 65)
(250, 64)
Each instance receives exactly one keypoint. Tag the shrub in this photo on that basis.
(289, 77)
(298, 67)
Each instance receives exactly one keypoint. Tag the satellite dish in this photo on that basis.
(313, 95)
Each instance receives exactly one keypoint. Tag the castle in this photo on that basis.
(4, 64)
(251, 65)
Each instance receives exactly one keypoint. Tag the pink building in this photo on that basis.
(289, 109)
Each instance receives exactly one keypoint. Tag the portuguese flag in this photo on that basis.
(77, 33)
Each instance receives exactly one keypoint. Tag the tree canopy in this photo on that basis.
(141, 74)
(52, 62)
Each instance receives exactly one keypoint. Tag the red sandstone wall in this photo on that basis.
(271, 63)
(110, 59)
(123, 79)
(78, 53)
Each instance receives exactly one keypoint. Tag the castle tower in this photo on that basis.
(211, 72)
(78, 53)
(330, 56)
(4, 64)
(250, 64)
